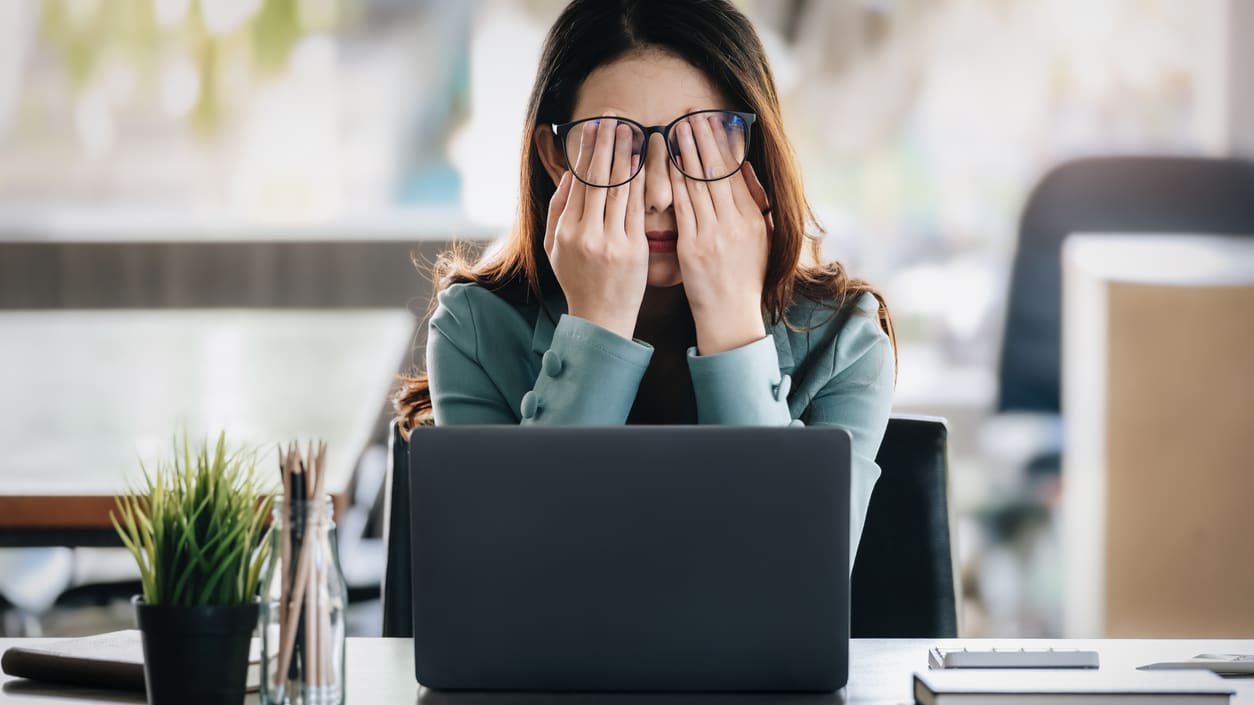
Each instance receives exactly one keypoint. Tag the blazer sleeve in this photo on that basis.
(588, 376)
(859, 399)
(744, 386)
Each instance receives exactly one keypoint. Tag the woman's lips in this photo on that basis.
(662, 240)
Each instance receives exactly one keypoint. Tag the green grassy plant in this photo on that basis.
(197, 527)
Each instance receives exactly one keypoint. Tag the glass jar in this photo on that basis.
(303, 603)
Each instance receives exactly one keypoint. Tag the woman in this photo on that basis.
(660, 270)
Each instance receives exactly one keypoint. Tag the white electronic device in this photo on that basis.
(1012, 658)
(1223, 664)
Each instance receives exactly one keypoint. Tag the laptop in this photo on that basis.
(630, 558)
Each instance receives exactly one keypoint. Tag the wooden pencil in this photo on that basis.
(285, 550)
(313, 587)
(316, 581)
(311, 623)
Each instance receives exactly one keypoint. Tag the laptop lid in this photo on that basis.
(664, 558)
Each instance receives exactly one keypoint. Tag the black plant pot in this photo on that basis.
(196, 655)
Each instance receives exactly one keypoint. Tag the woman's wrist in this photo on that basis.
(621, 326)
(720, 334)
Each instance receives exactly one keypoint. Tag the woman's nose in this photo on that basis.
(657, 182)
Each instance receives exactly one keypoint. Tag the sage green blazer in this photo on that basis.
(491, 361)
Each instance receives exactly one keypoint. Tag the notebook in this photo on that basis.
(111, 660)
(1037, 687)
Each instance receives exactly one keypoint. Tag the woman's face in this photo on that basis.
(652, 88)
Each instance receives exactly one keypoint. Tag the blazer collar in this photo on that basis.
(553, 306)
(783, 346)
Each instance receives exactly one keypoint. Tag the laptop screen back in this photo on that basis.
(631, 558)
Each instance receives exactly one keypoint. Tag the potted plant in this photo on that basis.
(196, 529)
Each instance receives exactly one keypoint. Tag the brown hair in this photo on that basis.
(717, 39)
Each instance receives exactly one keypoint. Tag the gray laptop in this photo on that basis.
(633, 558)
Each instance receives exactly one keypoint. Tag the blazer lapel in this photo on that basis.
(783, 345)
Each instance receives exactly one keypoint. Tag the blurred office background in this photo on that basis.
(175, 153)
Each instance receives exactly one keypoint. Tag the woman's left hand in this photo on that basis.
(724, 230)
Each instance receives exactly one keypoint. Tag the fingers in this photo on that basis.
(757, 192)
(578, 189)
(745, 202)
(714, 162)
(622, 167)
(634, 224)
(685, 216)
(599, 167)
(731, 158)
(735, 155)
(557, 204)
(698, 191)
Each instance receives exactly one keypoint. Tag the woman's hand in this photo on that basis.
(594, 237)
(724, 229)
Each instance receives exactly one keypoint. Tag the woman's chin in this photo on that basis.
(664, 269)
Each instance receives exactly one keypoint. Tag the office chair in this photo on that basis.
(398, 583)
(903, 576)
(902, 582)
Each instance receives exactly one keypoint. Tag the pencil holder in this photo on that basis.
(302, 608)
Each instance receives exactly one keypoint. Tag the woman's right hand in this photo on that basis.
(594, 237)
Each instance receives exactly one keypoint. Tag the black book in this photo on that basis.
(112, 660)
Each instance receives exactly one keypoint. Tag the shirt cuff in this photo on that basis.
(742, 386)
(588, 376)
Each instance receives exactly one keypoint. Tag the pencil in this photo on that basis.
(311, 623)
(285, 550)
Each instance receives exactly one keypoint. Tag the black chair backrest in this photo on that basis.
(902, 583)
(1111, 194)
(398, 581)
(903, 577)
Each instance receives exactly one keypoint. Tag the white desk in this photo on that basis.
(381, 673)
(85, 394)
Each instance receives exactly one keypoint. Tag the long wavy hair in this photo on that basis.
(714, 37)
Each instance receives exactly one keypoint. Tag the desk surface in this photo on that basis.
(86, 395)
(381, 672)
(1164, 259)
(113, 224)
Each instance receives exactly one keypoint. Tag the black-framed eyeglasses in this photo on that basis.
(719, 146)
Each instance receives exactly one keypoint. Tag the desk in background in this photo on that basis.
(1158, 409)
(85, 394)
(381, 672)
